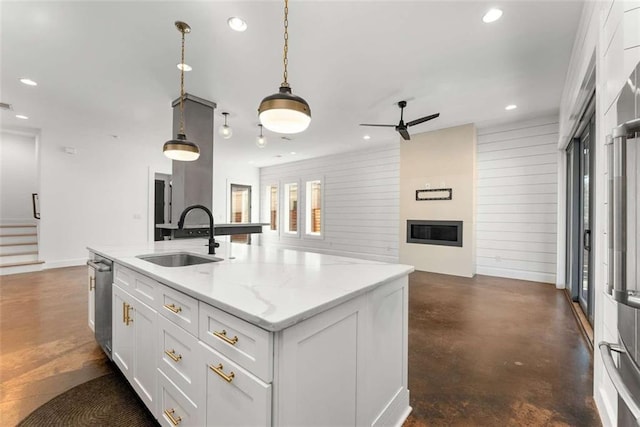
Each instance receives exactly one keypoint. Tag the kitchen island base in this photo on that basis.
(195, 363)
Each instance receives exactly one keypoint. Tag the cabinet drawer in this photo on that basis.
(244, 343)
(234, 397)
(174, 408)
(178, 358)
(136, 284)
(123, 277)
(181, 309)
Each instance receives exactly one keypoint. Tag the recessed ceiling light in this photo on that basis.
(293, 153)
(492, 15)
(21, 116)
(237, 24)
(366, 137)
(251, 162)
(511, 107)
(186, 67)
(28, 82)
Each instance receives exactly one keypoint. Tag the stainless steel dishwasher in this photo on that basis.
(103, 268)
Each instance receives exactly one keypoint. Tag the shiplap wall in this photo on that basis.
(360, 203)
(517, 200)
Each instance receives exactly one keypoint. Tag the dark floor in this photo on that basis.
(483, 351)
(496, 352)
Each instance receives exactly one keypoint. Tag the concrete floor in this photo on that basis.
(482, 351)
(496, 352)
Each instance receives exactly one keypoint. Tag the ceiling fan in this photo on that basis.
(401, 127)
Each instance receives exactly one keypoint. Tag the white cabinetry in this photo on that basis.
(91, 305)
(234, 397)
(348, 365)
(196, 365)
(134, 344)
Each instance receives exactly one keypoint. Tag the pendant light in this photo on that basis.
(225, 130)
(284, 112)
(181, 148)
(261, 141)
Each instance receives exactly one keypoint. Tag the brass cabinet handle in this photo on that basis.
(173, 308)
(218, 370)
(223, 336)
(92, 283)
(128, 315)
(172, 354)
(124, 313)
(169, 413)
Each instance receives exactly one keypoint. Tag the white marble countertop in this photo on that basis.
(271, 288)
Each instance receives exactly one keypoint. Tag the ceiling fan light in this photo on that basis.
(284, 112)
(181, 149)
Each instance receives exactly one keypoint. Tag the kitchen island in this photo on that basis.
(263, 337)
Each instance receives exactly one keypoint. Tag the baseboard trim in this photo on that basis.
(517, 274)
(64, 263)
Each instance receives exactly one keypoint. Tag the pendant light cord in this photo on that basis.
(182, 86)
(286, 42)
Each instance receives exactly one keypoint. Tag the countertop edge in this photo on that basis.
(255, 320)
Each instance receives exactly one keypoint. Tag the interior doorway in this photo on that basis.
(581, 212)
(240, 210)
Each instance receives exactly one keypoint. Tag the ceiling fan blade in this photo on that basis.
(382, 126)
(423, 119)
(404, 133)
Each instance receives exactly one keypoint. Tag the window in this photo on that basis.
(271, 198)
(313, 212)
(291, 208)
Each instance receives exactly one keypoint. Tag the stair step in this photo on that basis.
(19, 257)
(20, 267)
(12, 240)
(17, 225)
(15, 264)
(18, 235)
(16, 248)
(20, 253)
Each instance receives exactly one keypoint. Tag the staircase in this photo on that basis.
(19, 249)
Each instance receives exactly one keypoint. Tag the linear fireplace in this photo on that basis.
(445, 233)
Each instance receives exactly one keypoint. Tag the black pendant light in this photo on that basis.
(181, 148)
(284, 112)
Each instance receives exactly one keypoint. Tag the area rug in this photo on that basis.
(104, 401)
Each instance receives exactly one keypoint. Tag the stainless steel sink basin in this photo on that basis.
(179, 259)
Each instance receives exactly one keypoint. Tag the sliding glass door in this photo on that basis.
(580, 215)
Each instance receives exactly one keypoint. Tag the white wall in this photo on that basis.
(361, 203)
(100, 195)
(445, 158)
(517, 200)
(609, 32)
(18, 176)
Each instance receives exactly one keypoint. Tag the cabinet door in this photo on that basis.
(143, 319)
(122, 332)
(234, 396)
(91, 300)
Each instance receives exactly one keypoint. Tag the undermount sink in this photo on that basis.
(179, 259)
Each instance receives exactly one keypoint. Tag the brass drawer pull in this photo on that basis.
(223, 336)
(173, 308)
(172, 354)
(126, 316)
(169, 413)
(92, 283)
(218, 370)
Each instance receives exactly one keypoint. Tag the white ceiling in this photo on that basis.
(110, 67)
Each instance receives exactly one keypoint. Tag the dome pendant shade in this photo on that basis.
(284, 112)
(181, 149)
